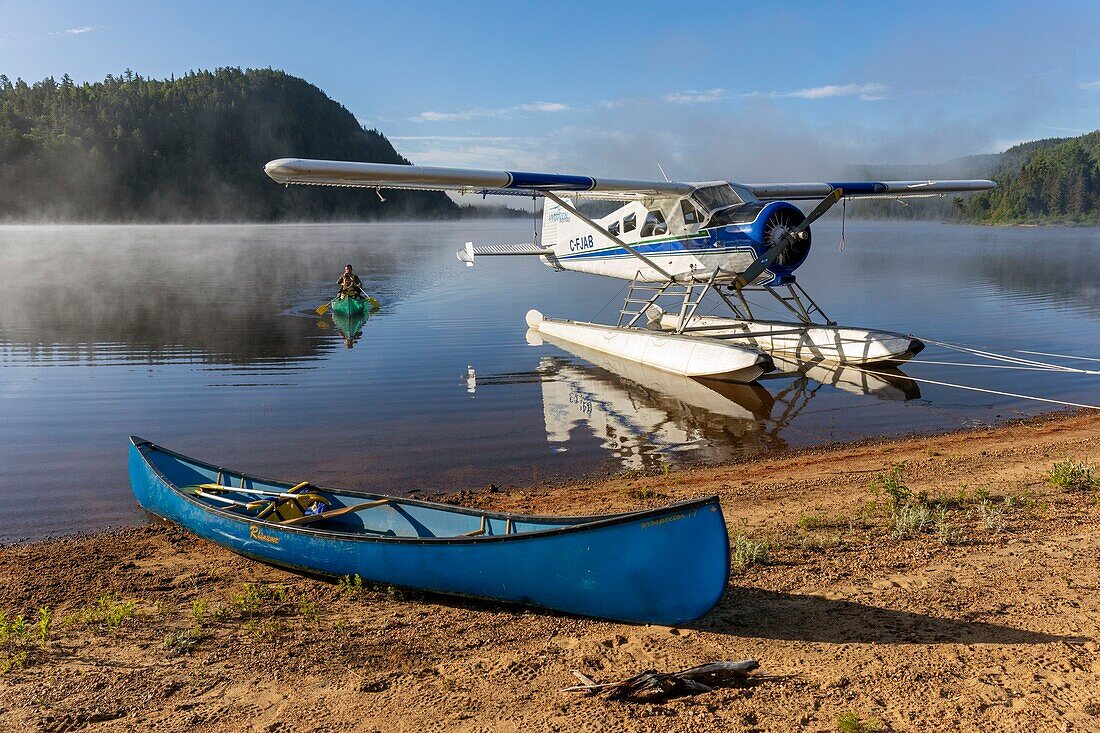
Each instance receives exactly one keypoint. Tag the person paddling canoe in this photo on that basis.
(350, 284)
(352, 299)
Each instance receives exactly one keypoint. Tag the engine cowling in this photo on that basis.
(777, 223)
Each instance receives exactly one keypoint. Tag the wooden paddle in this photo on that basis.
(323, 309)
(374, 304)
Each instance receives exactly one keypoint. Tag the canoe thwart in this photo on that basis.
(477, 532)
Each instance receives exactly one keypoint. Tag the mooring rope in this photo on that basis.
(1059, 356)
(1004, 357)
(982, 389)
(1004, 366)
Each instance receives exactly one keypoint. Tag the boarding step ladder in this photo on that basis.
(690, 295)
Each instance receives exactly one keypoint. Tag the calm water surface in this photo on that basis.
(204, 339)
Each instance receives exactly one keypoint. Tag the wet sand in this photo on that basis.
(995, 628)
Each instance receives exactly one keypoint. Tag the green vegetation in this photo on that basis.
(19, 639)
(1072, 476)
(851, 722)
(946, 531)
(1056, 181)
(190, 148)
(897, 511)
(351, 585)
(43, 626)
(257, 597)
(183, 641)
(748, 552)
(198, 612)
(106, 614)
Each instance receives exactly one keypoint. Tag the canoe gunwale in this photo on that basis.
(570, 524)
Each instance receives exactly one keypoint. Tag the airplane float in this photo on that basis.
(674, 243)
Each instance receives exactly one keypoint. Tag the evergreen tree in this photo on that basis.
(190, 148)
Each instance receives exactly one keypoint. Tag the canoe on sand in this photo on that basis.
(663, 566)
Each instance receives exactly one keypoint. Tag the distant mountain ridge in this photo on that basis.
(1053, 180)
(189, 148)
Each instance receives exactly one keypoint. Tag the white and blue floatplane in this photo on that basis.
(675, 243)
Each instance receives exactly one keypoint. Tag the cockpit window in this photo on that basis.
(654, 224)
(691, 214)
(716, 197)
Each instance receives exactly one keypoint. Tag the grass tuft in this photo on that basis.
(182, 642)
(351, 585)
(947, 532)
(910, 519)
(851, 722)
(992, 515)
(748, 552)
(107, 613)
(1072, 476)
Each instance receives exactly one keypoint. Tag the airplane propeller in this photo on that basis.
(787, 239)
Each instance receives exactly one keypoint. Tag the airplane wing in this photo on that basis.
(865, 189)
(462, 180)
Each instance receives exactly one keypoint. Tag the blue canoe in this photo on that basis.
(663, 566)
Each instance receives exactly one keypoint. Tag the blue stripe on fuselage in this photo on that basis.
(717, 241)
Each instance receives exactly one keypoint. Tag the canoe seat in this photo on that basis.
(305, 518)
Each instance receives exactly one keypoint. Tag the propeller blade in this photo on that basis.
(824, 205)
(753, 271)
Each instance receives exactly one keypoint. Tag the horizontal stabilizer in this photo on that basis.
(510, 249)
(467, 255)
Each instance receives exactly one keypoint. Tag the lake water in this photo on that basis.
(204, 339)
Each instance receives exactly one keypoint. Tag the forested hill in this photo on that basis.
(1055, 181)
(184, 149)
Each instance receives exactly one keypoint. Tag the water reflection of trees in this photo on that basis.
(214, 295)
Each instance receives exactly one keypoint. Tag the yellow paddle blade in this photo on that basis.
(322, 310)
(374, 304)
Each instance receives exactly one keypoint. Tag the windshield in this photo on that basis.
(716, 197)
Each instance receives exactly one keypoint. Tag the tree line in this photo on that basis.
(188, 148)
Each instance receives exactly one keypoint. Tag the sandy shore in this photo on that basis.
(987, 619)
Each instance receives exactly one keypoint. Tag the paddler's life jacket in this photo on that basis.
(350, 284)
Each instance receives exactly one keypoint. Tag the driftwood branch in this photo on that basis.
(662, 684)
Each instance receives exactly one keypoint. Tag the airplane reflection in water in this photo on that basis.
(641, 415)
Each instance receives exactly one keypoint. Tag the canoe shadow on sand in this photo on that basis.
(763, 614)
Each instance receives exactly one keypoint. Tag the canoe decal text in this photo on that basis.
(669, 518)
(257, 534)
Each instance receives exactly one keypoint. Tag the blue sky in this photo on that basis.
(708, 89)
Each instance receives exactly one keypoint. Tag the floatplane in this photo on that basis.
(674, 243)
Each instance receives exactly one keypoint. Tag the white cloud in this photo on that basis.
(694, 96)
(865, 92)
(467, 114)
(76, 31)
(1091, 85)
(543, 107)
(482, 112)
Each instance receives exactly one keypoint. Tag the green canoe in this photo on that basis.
(349, 306)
